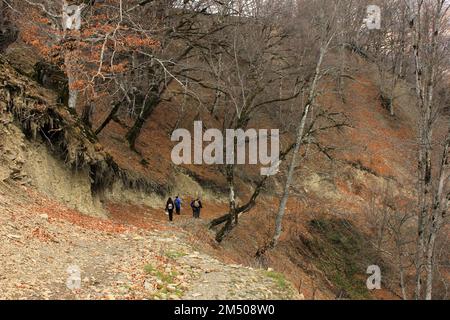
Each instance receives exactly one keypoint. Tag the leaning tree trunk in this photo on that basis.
(298, 144)
(108, 119)
(290, 176)
(228, 218)
(136, 129)
(245, 208)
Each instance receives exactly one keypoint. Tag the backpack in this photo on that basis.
(169, 206)
(196, 204)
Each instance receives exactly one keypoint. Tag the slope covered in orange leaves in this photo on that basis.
(376, 151)
(373, 154)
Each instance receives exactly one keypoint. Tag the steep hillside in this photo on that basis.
(56, 220)
(365, 163)
(109, 180)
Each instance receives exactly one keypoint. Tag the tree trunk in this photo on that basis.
(422, 163)
(298, 144)
(246, 207)
(249, 205)
(391, 107)
(426, 69)
(232, 193)
(218, 93)
(225, 230)
(108, 119)
(70, 56)
(86, 115)
(232, 218)
(402, 280)
(290, 176)
(136, 129)
(73, 92)
(440, 205)
(399, 251)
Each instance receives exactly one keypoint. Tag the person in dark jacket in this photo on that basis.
(178, 205)
(170, 206)
(196, 206)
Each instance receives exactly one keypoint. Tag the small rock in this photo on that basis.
(171, 288)
(13, 236)
(184, 285)
(44, 216)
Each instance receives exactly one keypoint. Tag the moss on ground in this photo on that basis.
(343, 254)
(279, 278)
(167, 279)
(175, 254)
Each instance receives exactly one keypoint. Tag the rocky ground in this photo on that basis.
(48, 251)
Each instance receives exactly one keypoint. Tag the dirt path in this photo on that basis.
(223, 282)
(42, 241)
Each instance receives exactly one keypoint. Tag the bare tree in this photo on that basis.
(247, 67)
(391, 218)
(181, 25)
(390, 51)
(277, 69)
(430, 44)
(327, 33)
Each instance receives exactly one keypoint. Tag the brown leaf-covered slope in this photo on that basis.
(376, 153)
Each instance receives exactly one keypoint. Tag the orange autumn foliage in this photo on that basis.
(92, 51)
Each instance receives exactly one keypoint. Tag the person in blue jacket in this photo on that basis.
(178, 205)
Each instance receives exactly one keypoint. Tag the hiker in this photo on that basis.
(169, 208)
(178, 205)
(196, 206)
